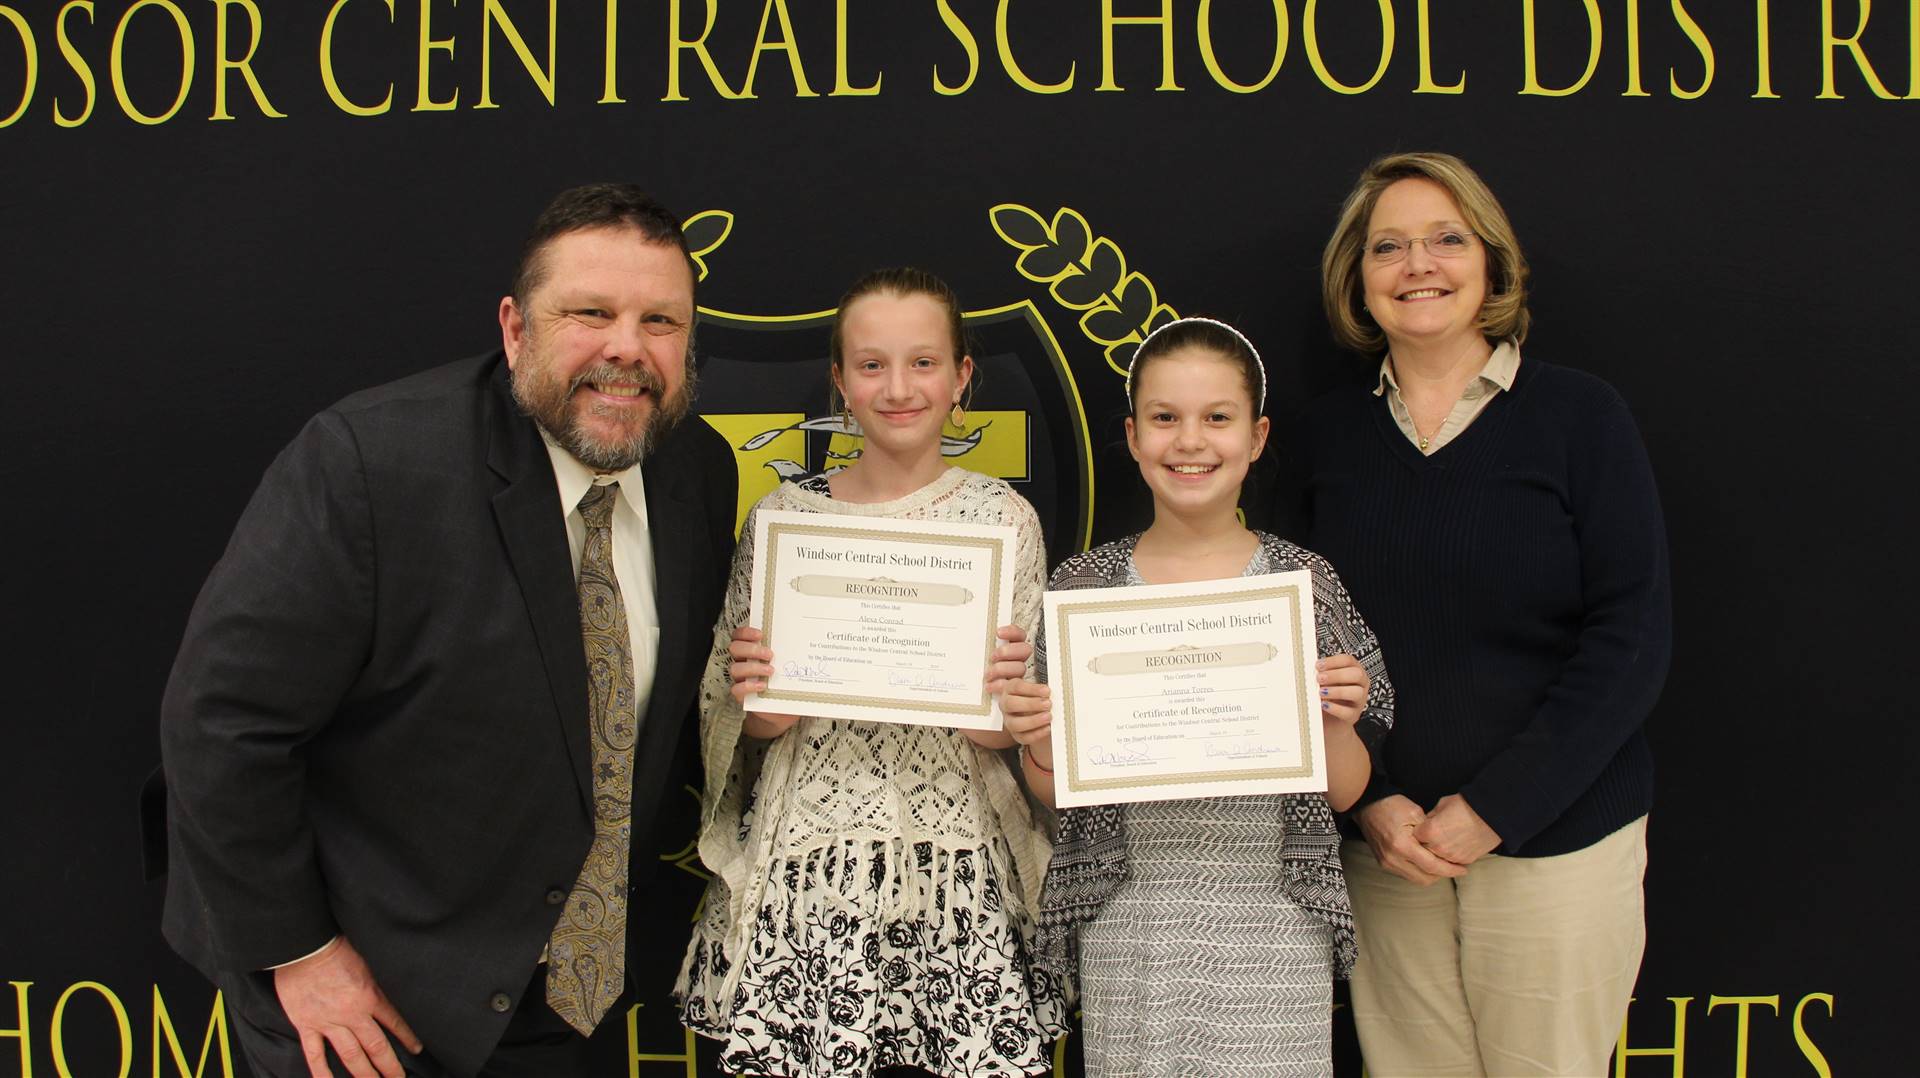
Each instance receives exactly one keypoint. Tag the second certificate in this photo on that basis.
(891, 620)
(1184, 690)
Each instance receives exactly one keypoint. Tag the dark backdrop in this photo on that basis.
(181, 294)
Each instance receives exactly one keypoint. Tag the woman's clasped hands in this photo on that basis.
(1425, 847)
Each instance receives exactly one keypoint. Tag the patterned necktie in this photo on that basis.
(587, 955)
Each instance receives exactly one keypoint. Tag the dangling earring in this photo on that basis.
(846, 420)
(957, 415)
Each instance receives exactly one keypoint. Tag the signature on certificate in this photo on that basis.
(806, 670)
(1242, 748)
(922, 679)
(1121, 757)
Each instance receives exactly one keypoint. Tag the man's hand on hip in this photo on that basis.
(331, 998)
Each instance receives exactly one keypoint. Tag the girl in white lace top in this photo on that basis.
(873, 883)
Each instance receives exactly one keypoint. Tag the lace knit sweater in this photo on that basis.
(826, 783)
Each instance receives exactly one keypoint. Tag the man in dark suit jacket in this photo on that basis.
(377, 734)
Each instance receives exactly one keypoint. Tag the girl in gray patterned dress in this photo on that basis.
(1205, 933)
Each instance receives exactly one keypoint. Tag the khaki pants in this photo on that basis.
(1524, 966)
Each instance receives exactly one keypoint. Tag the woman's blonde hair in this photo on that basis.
(1503, 314)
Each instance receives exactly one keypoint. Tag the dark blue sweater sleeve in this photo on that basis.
(1624, 640)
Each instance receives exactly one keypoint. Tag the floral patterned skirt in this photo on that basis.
(836, 982)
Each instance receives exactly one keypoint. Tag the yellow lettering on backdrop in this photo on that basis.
(1019, 77)
(1677, 1052)
(492, 14)
(1829, 42)
(424, 102)
(32, 50)
(1913, 50)
(1311, 37)
(74, 60)
(698, 46)
(216, 1035)
(244, 65)
(686, 1057)
(786, 44)
(1164, 20)
(60, 1066)
(1533, 85)
(1816, 1058)
(1633, 51)
(1704, 47)
(1060, 1050)
(842, 87)
(1763, 36)
(965, 37)
(117, 69)
(609, 95)
(1742, 1026)
(19, 1032)
(1212, 62)
(1427, 85)
(326, 68)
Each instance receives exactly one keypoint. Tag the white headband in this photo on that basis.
(1260, 403)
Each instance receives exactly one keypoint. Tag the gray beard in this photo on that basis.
(552, 412)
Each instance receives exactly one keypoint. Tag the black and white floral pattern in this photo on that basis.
(829, 991)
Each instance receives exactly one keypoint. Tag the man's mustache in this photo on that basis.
(640, 377)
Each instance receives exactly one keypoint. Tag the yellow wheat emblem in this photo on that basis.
(1085, 273)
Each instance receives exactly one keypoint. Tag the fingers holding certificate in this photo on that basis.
(880, 618)
(1184, 690)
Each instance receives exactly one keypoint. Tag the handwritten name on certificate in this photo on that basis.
(872, 618)
(1185, 690)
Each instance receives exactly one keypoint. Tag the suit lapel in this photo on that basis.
(533, 528)
(677, 562)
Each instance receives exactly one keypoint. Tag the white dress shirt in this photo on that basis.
(632, 556)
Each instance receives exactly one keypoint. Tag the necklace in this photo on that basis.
(1413, 428)
(1406, 407)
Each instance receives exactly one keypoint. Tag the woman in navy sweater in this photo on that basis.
(1498, 522)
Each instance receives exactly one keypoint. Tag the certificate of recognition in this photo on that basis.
(874, 618)
(1185, 690)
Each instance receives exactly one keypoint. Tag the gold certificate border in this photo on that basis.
(996, 550)
(1289, 594)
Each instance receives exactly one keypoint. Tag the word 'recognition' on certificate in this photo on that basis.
(880, 619)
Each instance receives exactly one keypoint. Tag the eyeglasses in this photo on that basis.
(1446, 243)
